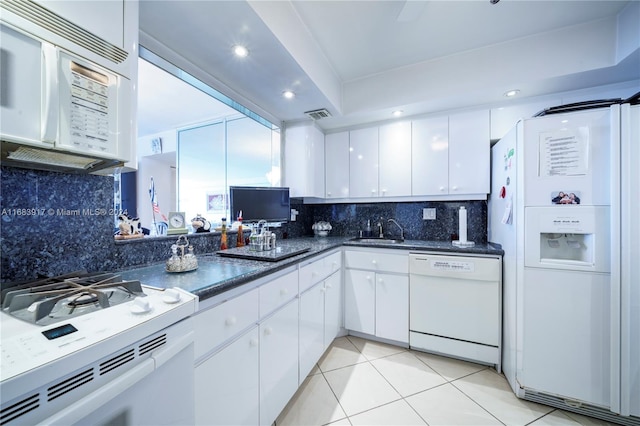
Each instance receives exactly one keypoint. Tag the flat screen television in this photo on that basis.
(269, 203)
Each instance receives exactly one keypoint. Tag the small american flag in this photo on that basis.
(154, 200)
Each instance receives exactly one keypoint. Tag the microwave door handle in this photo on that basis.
(50, 97)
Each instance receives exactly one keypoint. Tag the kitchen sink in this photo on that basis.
(377, 240)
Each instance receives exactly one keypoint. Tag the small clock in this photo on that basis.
(177, 223)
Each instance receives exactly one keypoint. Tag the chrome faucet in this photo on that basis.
(398, 225)
(381, 234)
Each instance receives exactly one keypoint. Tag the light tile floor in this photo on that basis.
(361, 382)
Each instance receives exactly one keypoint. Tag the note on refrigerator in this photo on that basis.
(507, 217)
(564, 152)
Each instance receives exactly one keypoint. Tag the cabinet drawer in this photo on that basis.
(377, 261)
(278, 292)
(222, 322)
(318, 270)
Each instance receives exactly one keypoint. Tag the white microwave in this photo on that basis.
(60, 111)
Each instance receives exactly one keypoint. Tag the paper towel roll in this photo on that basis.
(462, 224)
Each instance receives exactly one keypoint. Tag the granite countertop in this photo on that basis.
(217, 274)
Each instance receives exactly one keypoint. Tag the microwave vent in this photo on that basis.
(37, 14)
(318, 114)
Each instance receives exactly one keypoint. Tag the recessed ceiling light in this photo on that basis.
(511, 93)
(397, 113)
(288, 94)
(240, 51)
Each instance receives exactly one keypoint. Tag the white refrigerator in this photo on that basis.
(564, 207)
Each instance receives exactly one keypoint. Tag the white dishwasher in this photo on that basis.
(455, 306)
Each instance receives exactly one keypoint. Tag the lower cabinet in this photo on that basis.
(377, 304)
(278, 361)
(376, 294)
(332, 308)
(226, 385)
(320, 321)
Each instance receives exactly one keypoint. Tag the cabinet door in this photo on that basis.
(395, 159)
(226, 385)
(392, 307)
(332, 308)
(430, 156)
(304, 161)
(469, 150)
(359, 301)
(363, 162)
(311, 328)
(336, 165)
(278, 361)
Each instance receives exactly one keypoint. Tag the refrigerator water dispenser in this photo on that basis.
(567, 237)
(567, 248)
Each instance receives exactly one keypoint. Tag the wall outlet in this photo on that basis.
(429, 214)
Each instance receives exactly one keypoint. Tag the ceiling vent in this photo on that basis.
(317, 114)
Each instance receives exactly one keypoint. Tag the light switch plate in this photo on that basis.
(429, 214)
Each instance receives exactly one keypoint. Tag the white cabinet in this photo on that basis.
(332, 308)
(311, 325)
(360, 301)
(304, 161)
(226, 385)
(392, 307)
(394, 147)
(430, 156)
(363, 163)
(450, 155)
(469, 150)
(278, 361)
(336, 165)
(377, 293)
(320, 309)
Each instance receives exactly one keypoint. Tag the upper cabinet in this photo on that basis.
(430, 159)
(443, 157)
(363, 163)
(394, 147)
(336, 165)
(304, 161)
(469, 153)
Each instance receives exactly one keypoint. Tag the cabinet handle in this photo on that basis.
(375, 262)
(455, 188)
(380, 280)
(328, 286)
(231, 321)
(268, 331)
(384, 191)
(284, 292)
(253, 342)
(323, 290)
(329, 194)
(368, 277)
(442, 189)
(373, 191)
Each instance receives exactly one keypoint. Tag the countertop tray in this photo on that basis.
(274, 255)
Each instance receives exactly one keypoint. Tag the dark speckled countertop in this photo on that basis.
(217, 274)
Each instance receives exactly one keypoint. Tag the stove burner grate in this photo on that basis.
(54, 299)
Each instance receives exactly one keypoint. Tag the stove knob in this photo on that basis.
(171, 295)
(141, 305)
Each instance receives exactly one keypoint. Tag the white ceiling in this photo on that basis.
(363, 59)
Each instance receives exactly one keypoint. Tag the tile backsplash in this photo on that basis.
(54, 223)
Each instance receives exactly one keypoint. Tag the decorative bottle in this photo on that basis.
(240, 240)
(223, 237)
